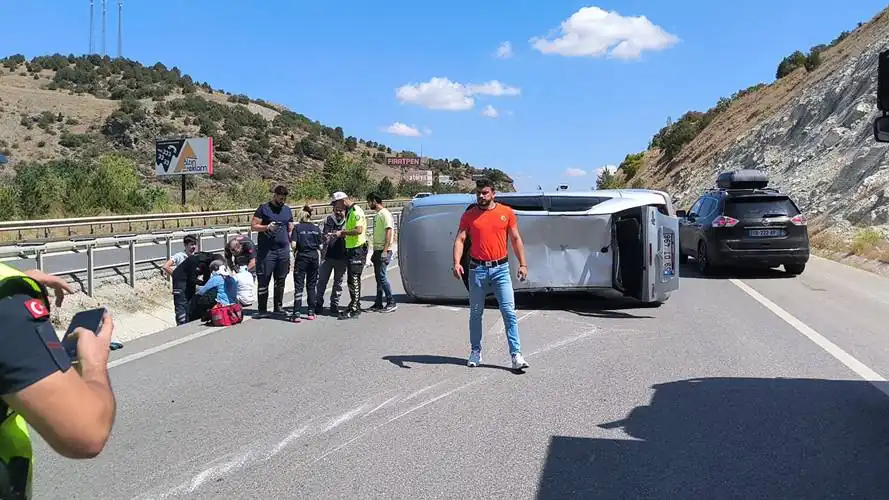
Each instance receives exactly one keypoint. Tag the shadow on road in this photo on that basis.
(605, 304)
(689, 271)
(733, 438)
(427, 359)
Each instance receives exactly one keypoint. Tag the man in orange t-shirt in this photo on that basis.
(487, 224)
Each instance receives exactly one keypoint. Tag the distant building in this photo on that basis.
(444, 179)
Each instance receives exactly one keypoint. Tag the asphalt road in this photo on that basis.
(717, 394)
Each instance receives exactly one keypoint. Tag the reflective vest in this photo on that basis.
(16, 453)
(354, 218)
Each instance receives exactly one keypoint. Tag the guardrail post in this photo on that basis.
(39, 258)
(200, 243)
(169, 247)
(132, 263)
(90, 262)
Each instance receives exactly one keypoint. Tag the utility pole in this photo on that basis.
(92, 28)
(104, 44)
(120, 29)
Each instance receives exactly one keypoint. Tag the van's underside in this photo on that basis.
(571, 253)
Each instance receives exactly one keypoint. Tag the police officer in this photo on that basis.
(355, 232)
(273, 221)
(193, 271)
(73, 410)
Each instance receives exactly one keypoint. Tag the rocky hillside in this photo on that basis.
(60, 113)
(810, 129)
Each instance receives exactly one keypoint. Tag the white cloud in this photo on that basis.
(443, 94)
(427, 131)
(504, 51)
(575, 172)
(591, 32)
(490, 112)
(401, 129)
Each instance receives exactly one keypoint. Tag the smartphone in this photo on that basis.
(90, 319)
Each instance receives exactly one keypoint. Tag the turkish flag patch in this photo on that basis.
(36, 308)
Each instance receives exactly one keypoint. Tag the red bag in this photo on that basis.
(229, 315)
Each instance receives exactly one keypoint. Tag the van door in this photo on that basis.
(661, 255)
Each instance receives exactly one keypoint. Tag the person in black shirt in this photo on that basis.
(273, 221)
(194, 270)
(240, 251)
(333, 256)
(306, 242)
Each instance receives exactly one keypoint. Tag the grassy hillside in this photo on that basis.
(77, 128)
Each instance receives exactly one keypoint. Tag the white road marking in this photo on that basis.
(193, 336)
(834, 350)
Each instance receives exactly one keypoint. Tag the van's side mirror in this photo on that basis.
(881, 124)
(681, 214)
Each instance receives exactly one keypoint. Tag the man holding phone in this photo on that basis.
(273, 221)
(73, 410)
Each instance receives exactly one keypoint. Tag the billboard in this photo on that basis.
(397, 161)
(193, 155)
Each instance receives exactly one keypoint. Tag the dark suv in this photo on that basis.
(750, 226)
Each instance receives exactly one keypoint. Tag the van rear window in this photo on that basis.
(755, 207)
(526, 203)
(574, 203)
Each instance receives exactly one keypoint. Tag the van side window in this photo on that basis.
(574, 203)
(525, 203)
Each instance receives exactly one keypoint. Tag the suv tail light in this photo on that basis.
(723, 221)
(799, 220)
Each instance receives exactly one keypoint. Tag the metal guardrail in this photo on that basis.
(90, 246)
(132, 222)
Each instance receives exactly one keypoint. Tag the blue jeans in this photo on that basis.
(381, 264)
(482, 279)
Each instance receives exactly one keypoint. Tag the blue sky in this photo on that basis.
(341, 63)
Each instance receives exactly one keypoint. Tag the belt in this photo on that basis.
(487, 263)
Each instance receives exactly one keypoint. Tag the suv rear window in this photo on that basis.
(755, 207)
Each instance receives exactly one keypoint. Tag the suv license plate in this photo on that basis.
(766, 233)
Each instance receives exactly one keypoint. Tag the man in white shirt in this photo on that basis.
(246, 287)
(383, 239)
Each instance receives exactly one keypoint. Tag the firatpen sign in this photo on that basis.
(193, 155)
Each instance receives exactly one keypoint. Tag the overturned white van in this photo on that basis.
(623, 239)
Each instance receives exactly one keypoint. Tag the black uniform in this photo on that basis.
(308, 238)
(186, 277)
(29, 352)
(273, 254)
(248, 251)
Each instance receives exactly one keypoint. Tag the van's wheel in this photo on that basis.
(794, 269)
(652, 304)
(702, 259)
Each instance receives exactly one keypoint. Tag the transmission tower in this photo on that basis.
(120, 28)
(92, 45)
(104, 45)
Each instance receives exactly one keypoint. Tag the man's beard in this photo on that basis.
(484, 203)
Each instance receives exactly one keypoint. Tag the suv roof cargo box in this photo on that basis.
(742, 179)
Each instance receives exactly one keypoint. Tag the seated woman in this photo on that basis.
(221, 287)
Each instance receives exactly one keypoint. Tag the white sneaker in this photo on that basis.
(475, 358)
(518, 362)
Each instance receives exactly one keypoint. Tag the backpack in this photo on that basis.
(229, 315)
